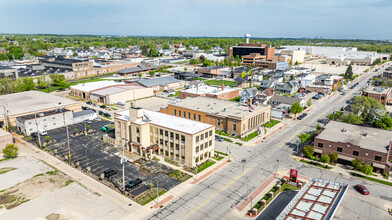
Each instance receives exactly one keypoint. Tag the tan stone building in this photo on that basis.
(202, 89)
(148, 133)
(231, 117)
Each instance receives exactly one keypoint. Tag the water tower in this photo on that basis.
(247, 36)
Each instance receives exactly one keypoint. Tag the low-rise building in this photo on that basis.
(286, 100)
(142, 68)
(210, 71)
(264, 96)
(124, 92)
(382, 94)
(83, 116)
(317, 89)
(44, 121)
(5, 139)
(260, 61)
(231, 117)
(387, 73)
(8, 72)
(83, 90)
(248, 95)
(161, 83)
(202, 89)
(371, 145)
(148, 133)
(290, 87)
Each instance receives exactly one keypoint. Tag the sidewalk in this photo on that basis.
(27, 149)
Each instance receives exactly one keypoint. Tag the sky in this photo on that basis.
(338, 19)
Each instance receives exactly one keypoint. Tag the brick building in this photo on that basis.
(246, 49)
(231, 117)
(388, 73)
(201, 89)
(259, 60)
(371, 145)
(382, 94)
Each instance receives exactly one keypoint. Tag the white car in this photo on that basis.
(43, 132)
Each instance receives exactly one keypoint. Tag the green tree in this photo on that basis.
(15, 52)
(333, 156)
(349, 72)
(367, 169)
(63, 85)
(377, 61)
(357, 164)
(193, 61)
(333, 116)
(28, 83)
(384, 123)
(153, 52)
(325, 158)
(3, 57)
(47, 138)
(206, 63)
(145, 50)
(309, 102)
(42, 82)
(10, 151)
(351, 118)
(140, 75)
(308, 151)
(151, 73)
(56, 79)
(368, 108)
(296, 108)
(304, 137)
(75, 130)
(165, 46)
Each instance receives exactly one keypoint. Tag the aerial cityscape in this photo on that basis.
(195, 110)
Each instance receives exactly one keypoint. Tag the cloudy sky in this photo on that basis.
(359, 19)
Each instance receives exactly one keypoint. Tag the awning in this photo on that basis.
(345, 158)
(318, 151)
(379, 165)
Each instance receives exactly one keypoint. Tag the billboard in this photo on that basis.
(293, 175)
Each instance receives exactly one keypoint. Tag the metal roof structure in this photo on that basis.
(318, 199)
(157, 81)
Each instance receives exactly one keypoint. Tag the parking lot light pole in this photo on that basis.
(123, 160)
(157, 195)
(36, 124)
(69, 147)
(196, 171)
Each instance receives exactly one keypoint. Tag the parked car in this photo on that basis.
(307, 91)
(344, 93)
(132, 184)
(217, 138)
(317, 97)
(109, 108)
(89, 103)
(43, 132)
(321, 94)
(300, 117)
(95, 104)
(109, 173)
(97, 119)
(362, 189)
(87, 121)
(100, 112)
(102, 106)
(85, 108)
(107, 115)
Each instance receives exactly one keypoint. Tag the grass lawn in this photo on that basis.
(148, 196)
(215, 82)
(238, 143)
(198, 78)
(224, 134)
(271, 123)
(251, 136)
(49, 89)
(236, 99)
(181, 176)
(316, 164)
(371, 179)
(205, 165)
(218, 158)
(218, 152)
(174, 95)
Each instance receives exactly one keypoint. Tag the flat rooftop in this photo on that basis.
(110, 90)
(205, 89)
(318, 199)
(216, 106)
(30, 101)
(168, 121)
(378, 90)
(43, 114)
(368, 138)
(87, 87)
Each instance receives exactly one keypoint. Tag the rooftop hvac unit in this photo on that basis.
(344, 130)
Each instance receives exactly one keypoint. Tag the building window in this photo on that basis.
(197, 149)
(177, 136)
(199, 118)
(175, 112)
(201, 137)
(234, 127)
(206, 134)
(171, 135)
(194, 116)
(160, 131)
(340, 149)
(206, 145)
(378, 158)
(210, 142)
(184, 114)
(171, 145)
(179, 113)
(161, 141)
(201, 147)
(189, 115)
(138, 139)
(197, 139)
(218, 122)
(320, 145)
(210, 133)
(182, 138)
(166, 133)
(355, 153)
(166, 142)
(137, 130)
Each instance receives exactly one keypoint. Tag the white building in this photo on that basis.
(321, 51)
(83, 116)
(307, 81)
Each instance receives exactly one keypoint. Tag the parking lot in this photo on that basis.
(90, 151)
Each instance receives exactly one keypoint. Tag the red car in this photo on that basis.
(363, 190)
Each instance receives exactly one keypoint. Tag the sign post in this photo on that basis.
(293, 175)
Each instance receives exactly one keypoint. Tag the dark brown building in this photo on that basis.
(382, 94)
(371, 145)
(388, 73)
(246, 49)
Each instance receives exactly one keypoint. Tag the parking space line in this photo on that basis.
(98, 168)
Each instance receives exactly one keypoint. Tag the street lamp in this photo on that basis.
(123, 160)
(66, 125)
(85, 152)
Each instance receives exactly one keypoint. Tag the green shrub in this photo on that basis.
(10, 151)
(325, 158)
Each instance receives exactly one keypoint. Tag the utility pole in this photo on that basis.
(66, 126)
(196, 171)
(157, 195)
(36, 125)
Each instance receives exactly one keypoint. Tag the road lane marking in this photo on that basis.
(216, 192)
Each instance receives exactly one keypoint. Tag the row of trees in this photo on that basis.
(8, 86)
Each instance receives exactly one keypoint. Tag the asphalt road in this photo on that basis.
(216, 196)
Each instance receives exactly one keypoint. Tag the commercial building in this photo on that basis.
(387, 73)
(321, 51)
(8, 72)
(358, 58)
(148, 133)
(295, 56)
(68, 64)
(5, 138)
(194, 54)
(83, 90)
(382, 94)
(44, 121)
(318, 199)
(113, 94)
(142, 68)
(29, 102)
(202, 89)
(83, 116)
(258, 60)
(161, 83)
(371, 145)
(247, 49)
(231, 117)
(210, 71)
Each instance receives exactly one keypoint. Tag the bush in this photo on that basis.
(325, 158)
(47, 138)
(10, 151)
(367, 169)
(357, 164)
(333, 156)
(308, 151)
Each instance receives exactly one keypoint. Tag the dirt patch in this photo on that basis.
(33, 188)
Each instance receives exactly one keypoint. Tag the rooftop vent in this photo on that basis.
(344, 130)
(364, 134)
(40, 114)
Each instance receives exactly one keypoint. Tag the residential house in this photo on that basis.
(265, 84)
(248, 95)
(290, 87)
(264, 96)
(243, 82)
(142, 68)
(287, 100)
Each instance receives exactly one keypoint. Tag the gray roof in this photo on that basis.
(266, 84)
(139, 68)
(284, 99)
(252, 92)
(157, 81)
(240, 80)
(375, 139)
(83, 113)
